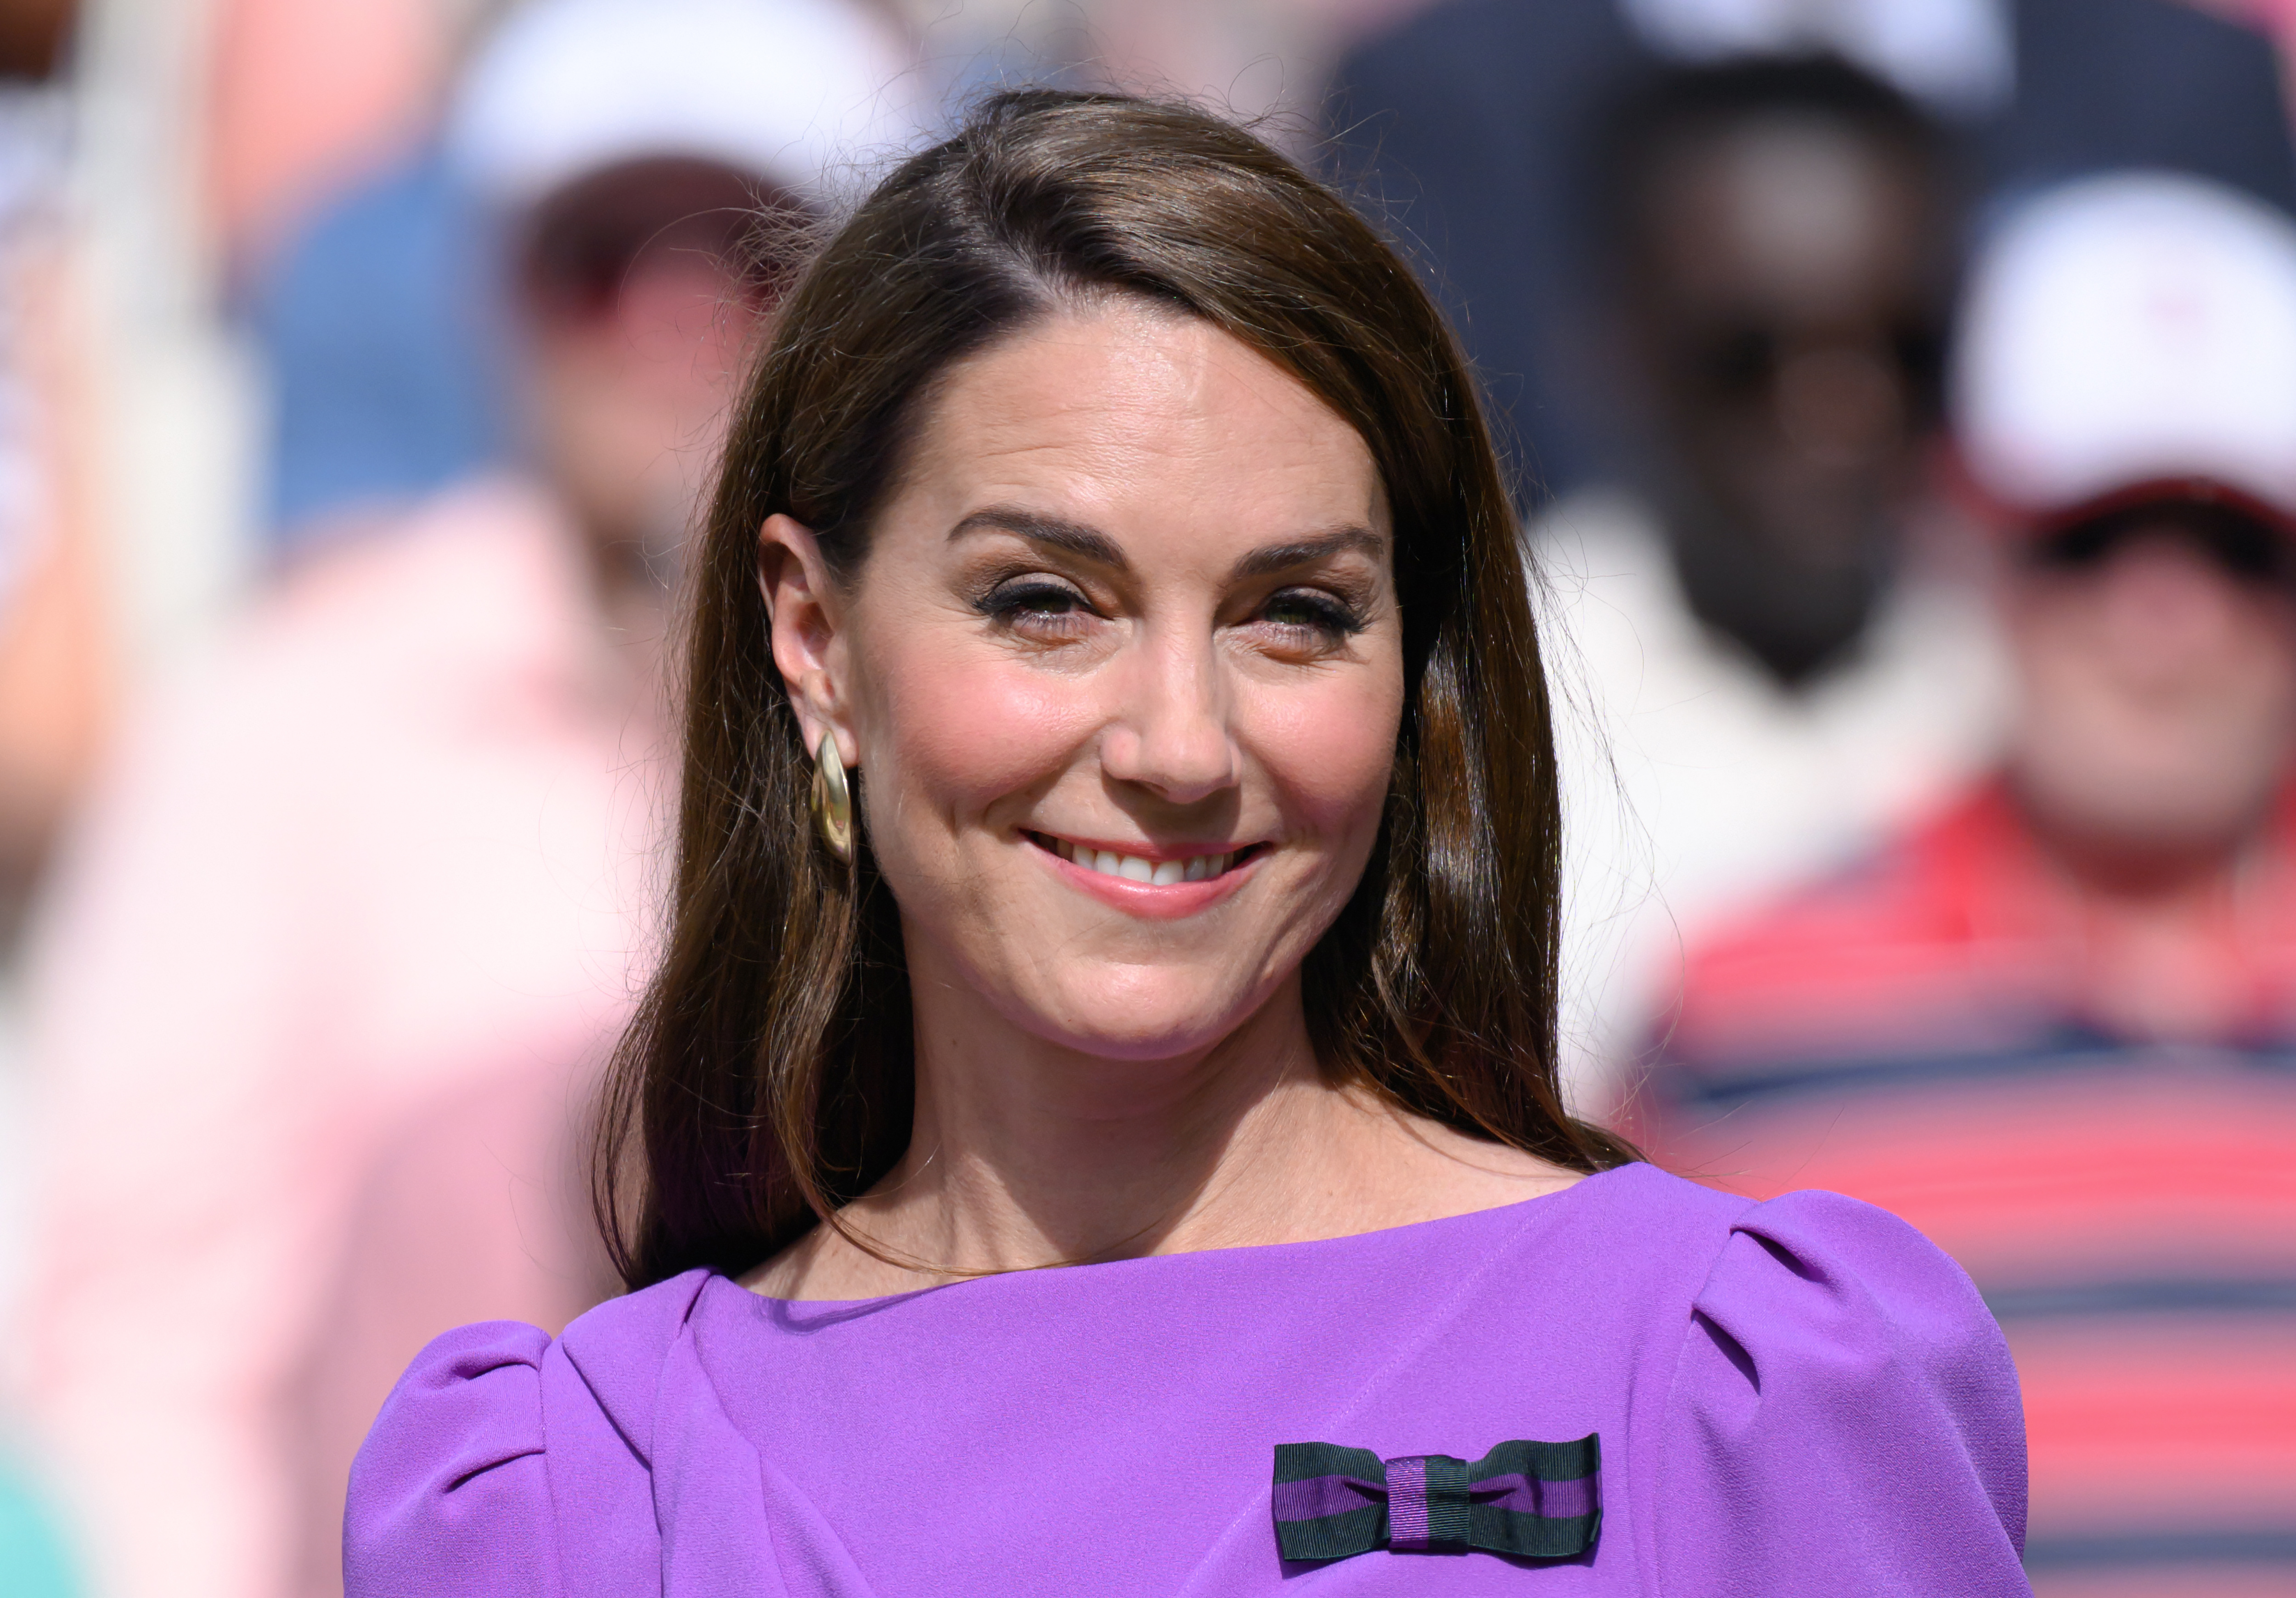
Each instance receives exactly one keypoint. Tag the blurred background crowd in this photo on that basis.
(1902, 400)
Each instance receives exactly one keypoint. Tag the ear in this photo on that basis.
(809, 636)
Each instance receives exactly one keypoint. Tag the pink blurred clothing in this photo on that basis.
(497, 1152)
(390, 846)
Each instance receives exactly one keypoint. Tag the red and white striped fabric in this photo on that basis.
(1935, 1031)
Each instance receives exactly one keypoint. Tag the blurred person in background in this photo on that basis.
(374, 409)
(373, 309)
(360, 896)
(300, 103)
(364, 275)
(55, 686)
(1468, 123)
(53, 683)
(1847, 685)
(1774, 657)
(380, 329)
(2051, 1026)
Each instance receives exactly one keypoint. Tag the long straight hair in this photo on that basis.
(768, 1077)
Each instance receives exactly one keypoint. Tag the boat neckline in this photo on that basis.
(1139, 1261)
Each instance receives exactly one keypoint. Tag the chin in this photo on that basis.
(2149, 788)
(1136, 1012)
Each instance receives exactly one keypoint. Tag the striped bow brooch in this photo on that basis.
(1534, 1500)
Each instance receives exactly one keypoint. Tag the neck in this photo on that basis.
(2162, 880)
(2162, 952)
(2165, 871)
(630, 599)
(1027, 1153)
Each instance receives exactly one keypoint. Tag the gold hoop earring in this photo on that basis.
(832, 800)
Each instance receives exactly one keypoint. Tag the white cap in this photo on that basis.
(803, 93)
(2125, 331)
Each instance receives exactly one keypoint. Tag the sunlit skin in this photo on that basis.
(2158, 722)
(1135, 593)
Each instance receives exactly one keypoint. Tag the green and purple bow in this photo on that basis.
(1536, 1500)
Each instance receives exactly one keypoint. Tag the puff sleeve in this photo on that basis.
(1844, 1418)
(448, 1494)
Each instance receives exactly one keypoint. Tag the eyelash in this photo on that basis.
(1335, 618)
(1009, 601)
(1051, 602)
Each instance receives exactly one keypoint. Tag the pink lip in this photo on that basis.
(1173, 901)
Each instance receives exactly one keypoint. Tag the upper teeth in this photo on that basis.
(1162, 873)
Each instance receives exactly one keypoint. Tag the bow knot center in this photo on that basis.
(1427, 1503)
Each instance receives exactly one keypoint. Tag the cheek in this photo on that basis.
(2266, 631)
(952, 730)
(1329, 747)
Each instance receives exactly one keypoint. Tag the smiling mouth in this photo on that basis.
(1136, 868)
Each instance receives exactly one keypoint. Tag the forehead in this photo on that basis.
(1144, 419)
(1796, 212)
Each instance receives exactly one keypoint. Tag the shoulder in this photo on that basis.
(1876, 947)
(1817, 1279)
(1897, 892)
(1831, 1278)
(483, 569)
(1844, 1416)
(619, 1348)
(1602, 564)
(471, 590)
(1810, 1288)
(1684, 1219)
(450, 1479)
(1840, 1413)
(496, 1437)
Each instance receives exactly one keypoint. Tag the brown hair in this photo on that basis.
(768, 1077)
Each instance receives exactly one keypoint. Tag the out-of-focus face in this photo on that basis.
(1122, 674)
(1785, 302)
(639, 322)
(2159, 696)
(1788, 273)
(630, 408)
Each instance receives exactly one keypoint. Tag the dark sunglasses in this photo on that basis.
(587, 243)
(1742, 363)
(2242, 545)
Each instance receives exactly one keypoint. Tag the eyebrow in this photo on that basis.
(1094, 545)
(1074, 536)
(1306, 552)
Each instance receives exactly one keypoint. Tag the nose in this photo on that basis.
(1169, 731)
(1840, 403)
(2162, 597)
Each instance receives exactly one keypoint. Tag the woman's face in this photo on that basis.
(1121, 673)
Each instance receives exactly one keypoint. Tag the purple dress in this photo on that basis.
(1796, 1398)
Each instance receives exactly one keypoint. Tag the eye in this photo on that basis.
(1312, 612)
(1043, 606)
